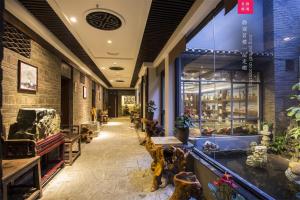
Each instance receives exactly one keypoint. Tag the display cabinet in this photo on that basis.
(222, 102)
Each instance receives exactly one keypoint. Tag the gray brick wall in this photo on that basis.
(81, 107)
(48, 94)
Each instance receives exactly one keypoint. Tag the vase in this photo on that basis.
(183, 134)
(150, 116)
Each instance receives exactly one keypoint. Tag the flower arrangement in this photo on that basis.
(151, 107)
(184, 121)
(224, 188)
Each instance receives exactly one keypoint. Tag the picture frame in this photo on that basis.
(27, 77)
(84, 92)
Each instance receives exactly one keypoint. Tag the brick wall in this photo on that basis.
(81, 107)
(49, 78)
(286, 24)
(99, 97)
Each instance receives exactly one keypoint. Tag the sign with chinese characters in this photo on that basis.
(245, 6)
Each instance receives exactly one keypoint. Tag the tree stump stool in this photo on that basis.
(86, 135)
(167, 161)
(186, 186)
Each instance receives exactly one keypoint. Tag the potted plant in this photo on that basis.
(293, 137)
(183, 124)
(151, 107)
(293, 133)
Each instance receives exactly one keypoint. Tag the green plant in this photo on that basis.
(293, 112)
(184, 121)
(269, 124)
(151, 107)
(136, 108)
(279, 145)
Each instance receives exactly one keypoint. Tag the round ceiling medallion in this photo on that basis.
(104, 20)
(116, 68)
(120, 81)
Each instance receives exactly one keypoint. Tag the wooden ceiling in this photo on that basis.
(163, 19)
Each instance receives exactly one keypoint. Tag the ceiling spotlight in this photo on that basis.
(73, 19)
(114, 63)
(109, 41)
(111, 80)
(103, 68)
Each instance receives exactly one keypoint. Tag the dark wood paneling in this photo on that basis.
(1, 78)
(112, 103)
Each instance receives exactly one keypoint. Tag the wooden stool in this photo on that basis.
(186, 186)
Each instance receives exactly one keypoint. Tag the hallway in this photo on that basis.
(112, 167)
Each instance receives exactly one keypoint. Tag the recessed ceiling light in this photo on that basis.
(73, 19)
(114, 63)
(111, 80)
(112, 53)
(109, 41)
(103, 68)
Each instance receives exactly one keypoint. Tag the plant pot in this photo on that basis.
(183, 134)
(150, 116)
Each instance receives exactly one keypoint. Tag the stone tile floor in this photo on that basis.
(112, 167)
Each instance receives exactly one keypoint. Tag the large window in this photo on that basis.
(221, 102)
(220, 74)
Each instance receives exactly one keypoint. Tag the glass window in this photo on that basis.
(246, 65)
(220, 105)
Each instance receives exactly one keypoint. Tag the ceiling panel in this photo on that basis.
(147, 26)
(45, 14)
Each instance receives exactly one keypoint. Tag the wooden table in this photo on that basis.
(70, 153)
(166, 141)
(13, 169)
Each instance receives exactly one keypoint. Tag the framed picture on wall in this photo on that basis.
(84, 92)
(27, 77)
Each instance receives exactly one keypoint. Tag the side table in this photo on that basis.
(15, 168)
(72, 154)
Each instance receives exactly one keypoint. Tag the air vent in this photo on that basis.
(120, 81)
(16, 40)
(104, 20)
(116, 68)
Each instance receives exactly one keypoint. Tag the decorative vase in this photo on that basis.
(150, 116)
(183, 134)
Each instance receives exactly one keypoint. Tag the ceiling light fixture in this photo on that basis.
(114, 63)
(103, 68)
(109, 41)
(116, 68)
(112, 53)
(73, 19)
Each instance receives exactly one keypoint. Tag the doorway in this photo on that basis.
(66, 101)
(162, 99)
(94, 95)
(113, 104)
